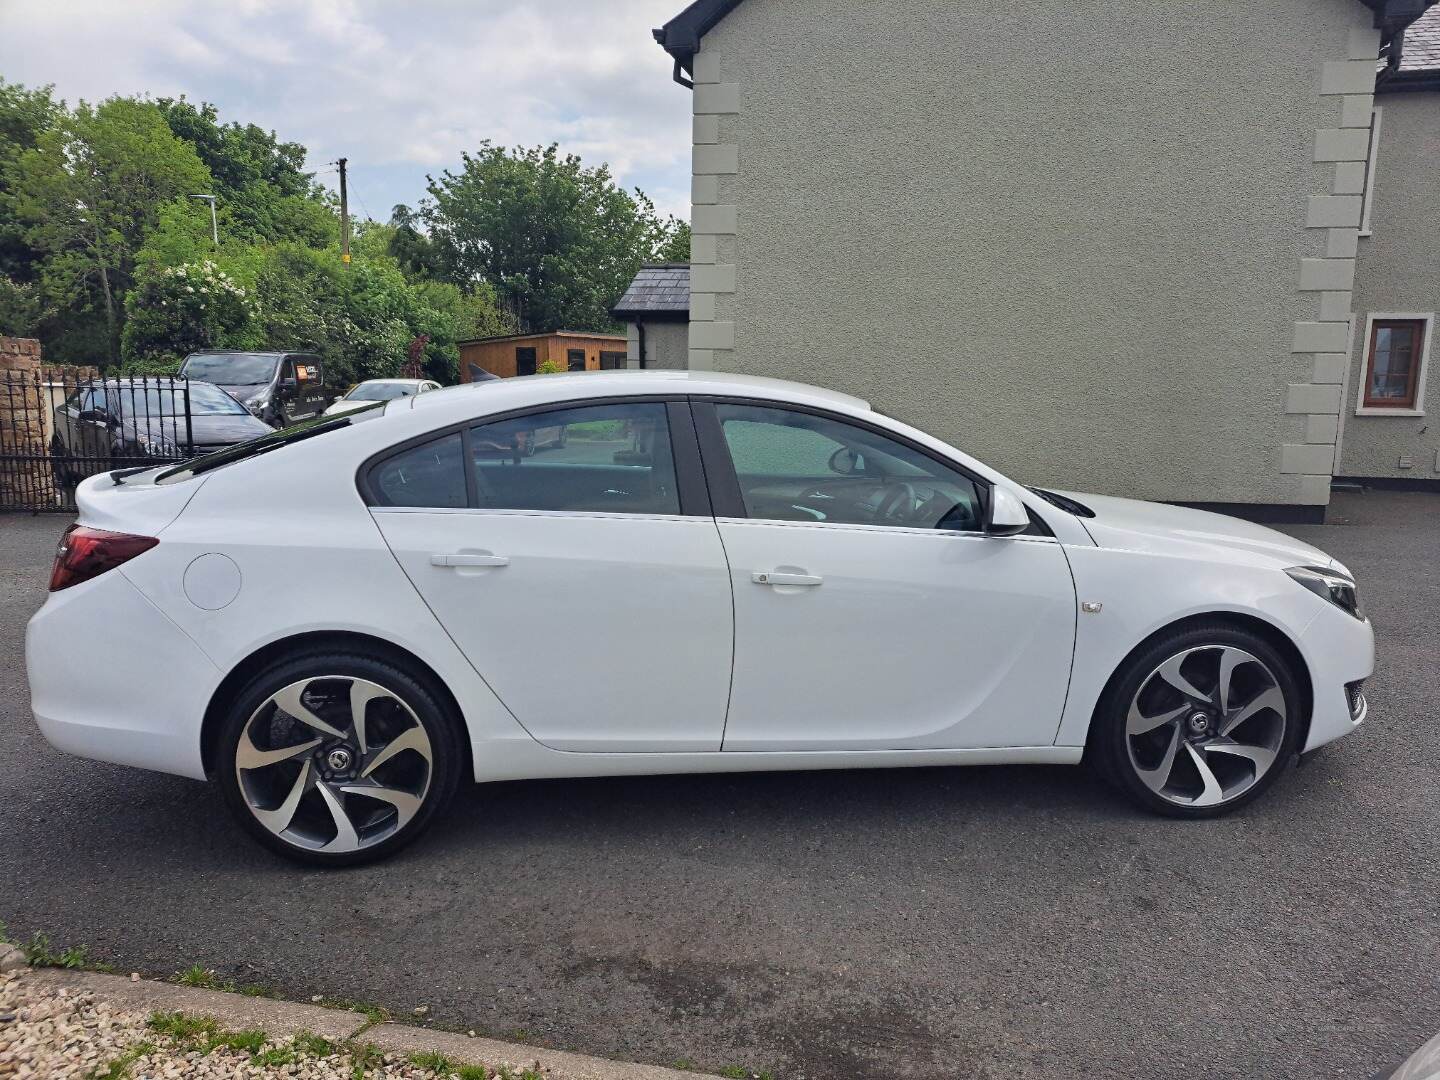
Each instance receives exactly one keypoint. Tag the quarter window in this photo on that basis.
(795, 466)
(429, 475)
(1392, 372)
(596, 459)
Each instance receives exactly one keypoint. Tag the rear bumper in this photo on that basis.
(113, 679)
(1339, 650)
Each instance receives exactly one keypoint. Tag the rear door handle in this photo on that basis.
(771, 577)
(469, 560)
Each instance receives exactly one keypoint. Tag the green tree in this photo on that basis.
(89, 192)
(263, 190)
(178, 310)
(21, 309)
(558, 241)
(24, 116)
(411, 248)
(675, 245)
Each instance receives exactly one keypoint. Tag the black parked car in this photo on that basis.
(118, 422)
(278, 387)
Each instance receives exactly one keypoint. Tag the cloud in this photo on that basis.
(400, 89)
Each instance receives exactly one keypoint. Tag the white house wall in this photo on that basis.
(1106, 251)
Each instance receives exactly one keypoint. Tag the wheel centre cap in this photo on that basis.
(1199, 723)
(338, 759)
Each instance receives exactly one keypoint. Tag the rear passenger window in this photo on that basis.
(598, 458)
(430, 475)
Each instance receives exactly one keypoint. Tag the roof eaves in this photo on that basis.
(680, 37)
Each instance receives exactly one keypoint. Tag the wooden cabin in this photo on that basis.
(525, 354)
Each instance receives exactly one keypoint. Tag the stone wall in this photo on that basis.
(26, 479)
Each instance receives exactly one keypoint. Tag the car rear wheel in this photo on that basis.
(334, 759)
(1199, 723)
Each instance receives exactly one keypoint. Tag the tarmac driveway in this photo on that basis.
(1000, 922)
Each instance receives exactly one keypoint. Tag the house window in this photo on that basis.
(1371, 161)
(575, 359)
(1397, 349)
(612, 361)
(524, 361)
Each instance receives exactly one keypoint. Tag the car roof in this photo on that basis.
(529, 390)
(406, 382)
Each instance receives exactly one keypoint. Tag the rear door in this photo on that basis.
(583, 576)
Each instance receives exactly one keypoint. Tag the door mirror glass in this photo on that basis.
(95, 416)
(1008, 516)
(847, 462)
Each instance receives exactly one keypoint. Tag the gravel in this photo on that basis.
(57, 1033)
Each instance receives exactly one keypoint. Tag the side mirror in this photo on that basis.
(846, 462)
(1008, 516)
(96, 416)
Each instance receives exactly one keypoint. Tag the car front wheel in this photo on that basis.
(335, 759)
(1200, 722)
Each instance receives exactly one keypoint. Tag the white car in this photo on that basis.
(373, 390)
(764, 576)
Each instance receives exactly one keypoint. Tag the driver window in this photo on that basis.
(795, 466)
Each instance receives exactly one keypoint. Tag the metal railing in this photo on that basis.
(59, 427)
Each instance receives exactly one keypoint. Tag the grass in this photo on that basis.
(41, 953)
(205, 1035)
(122, 1068)
(441, 1065)
(205, 979)
(373, 1013)
(363, 1058)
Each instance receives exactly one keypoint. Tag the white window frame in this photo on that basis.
(1428, 318)
(1372, 163)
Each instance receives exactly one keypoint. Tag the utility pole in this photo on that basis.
(344, 215)
(214, 225)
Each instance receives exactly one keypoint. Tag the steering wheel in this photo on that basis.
(897, 504)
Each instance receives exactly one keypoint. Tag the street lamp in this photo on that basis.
(214, 227)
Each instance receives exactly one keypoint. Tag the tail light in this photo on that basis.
(85, 553)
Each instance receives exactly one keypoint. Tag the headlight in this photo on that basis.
(1328, 585)
(157, 445)
(256, 404)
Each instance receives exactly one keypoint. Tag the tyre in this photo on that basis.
(1199, 722)
(58, 458)
(334, 759)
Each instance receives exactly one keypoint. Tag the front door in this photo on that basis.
(871, 610)
(583, 578)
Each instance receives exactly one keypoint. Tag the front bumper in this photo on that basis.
(1340, 652)
(113, 679)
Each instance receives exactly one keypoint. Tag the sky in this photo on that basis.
(399, 87)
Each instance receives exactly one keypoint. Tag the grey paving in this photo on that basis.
(1001, 922)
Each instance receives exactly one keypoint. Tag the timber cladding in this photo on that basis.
(525, 354)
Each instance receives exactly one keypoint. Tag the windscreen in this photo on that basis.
(381, 391)
(170, 401)
(231, 369)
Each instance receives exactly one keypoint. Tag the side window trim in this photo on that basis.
(725, 490)
(689, 469)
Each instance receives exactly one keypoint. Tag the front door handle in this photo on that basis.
(469, 560)
(775, 577)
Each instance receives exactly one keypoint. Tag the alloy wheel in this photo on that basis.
(334, 764)
(1206, 725)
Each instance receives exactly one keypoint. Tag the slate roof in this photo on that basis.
(659, 290)
(1422, 43)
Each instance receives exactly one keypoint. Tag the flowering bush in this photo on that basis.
(176, 310)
